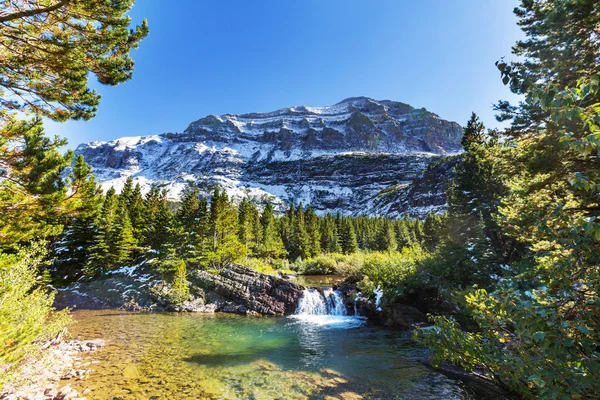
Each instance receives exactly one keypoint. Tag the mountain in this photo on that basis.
(359, 156)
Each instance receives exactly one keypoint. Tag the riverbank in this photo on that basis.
(48, 375)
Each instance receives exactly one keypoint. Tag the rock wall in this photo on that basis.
(265, 294)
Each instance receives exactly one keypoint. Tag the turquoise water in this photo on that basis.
(221, 356)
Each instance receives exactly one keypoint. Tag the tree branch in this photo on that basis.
(35, 11)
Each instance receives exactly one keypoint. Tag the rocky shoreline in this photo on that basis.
(47, 377)
(234, 289)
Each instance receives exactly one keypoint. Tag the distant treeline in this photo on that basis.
(127, 228)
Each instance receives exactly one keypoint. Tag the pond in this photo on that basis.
(317, 280)
(224, 356)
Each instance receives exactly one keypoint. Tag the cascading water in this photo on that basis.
(312, 303)
(325, 308)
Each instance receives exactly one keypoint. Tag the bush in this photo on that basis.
(321, 265)
(180, 290)
(27, 317)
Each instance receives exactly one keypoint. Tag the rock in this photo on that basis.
(402, 316)
(65, 393)
(265, 294)
(234, 308)
(192, 305)
(206, 308)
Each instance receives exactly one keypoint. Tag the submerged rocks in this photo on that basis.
(265, 294)
(49, 376)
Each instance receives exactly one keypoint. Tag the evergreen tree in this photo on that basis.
(79, 236)
(313, 232)
(433, 230)
(348, 241)
(223, 228)
(160, 235)
(247, 217)
(59, 46)
(330, 241)
(191, 220)
(122, 242)
(125, 197)
(33, 199)
(386, 237)
(271, 244)
(101, 259)
(403, 236)
(137, 213)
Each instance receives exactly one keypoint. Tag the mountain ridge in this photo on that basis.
(335, 158)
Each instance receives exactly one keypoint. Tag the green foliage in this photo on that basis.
(348, 241)
(59, 46)
(180, 290)
(223, 228)
(32, 193)
(74, 248)
(386, 237)
(26, 313)
(394, 272)
(537, 330)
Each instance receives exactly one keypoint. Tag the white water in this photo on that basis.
(325, 309)
(378, 295)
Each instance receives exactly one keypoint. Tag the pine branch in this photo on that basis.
(35, 11)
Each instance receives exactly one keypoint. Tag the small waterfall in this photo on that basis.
(335, 302)
(312, 303)
(325, 308)
(330, 302)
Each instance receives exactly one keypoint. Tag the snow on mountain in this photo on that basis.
(348, 157)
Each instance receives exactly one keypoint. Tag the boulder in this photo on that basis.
(265, 294)
(402, 316)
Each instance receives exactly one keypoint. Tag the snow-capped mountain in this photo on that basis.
(359, 156)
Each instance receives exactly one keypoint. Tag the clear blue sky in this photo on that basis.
(216, 57)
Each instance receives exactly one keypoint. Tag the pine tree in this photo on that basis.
(271, 245)
(403, 236)
(433, 230)
(160, 235)
(33, 199)
(247, 216)
(101, 259)
(223, 228)
(79, 236)
(137, 213)
(386, 237)
(330, 241)
(191, 219)
(60, 45)
(125, 197)
(313, 232)
(348, 241)
(122, 242)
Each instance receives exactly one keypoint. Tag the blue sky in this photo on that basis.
(216, 57)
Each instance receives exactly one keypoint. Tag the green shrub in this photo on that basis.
(321, 265)
(27, 317)
(180, 290)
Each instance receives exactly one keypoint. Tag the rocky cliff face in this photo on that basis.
(264, 294)
(345, 157)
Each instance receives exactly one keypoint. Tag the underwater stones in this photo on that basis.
(264, 294)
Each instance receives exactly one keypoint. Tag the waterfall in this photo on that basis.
(325, 308)
(312, 303)
(335, 302)
(330, 302)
